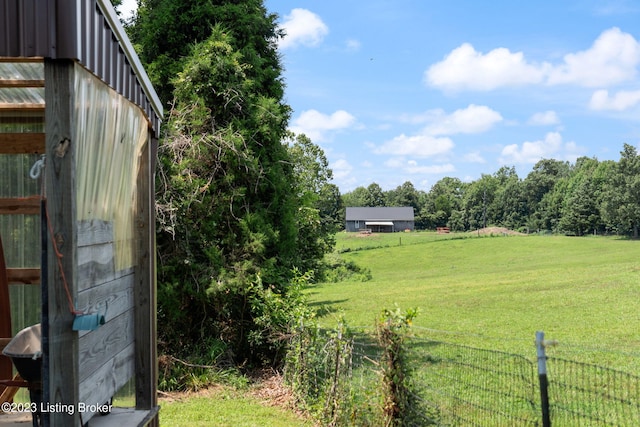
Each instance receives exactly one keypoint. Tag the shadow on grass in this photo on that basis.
(325, 308)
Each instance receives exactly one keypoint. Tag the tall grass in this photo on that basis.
(496, 292)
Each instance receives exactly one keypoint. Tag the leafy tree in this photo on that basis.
(441, 202)
(581, 190)
(375, 196)
(478, 197)
(508, 208)
(356, 198)
(404, 195)
(331, 206)
(540, 182)
(621, 202)
(316, 220)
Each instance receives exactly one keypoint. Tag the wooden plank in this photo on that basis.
(145, 285)
(20, 59)
(6, 368)
(12, 83)
(20, 205)
(103, 383)
(10, 390)
(94, 232)
(22, 143)
(23, 276)
(6, 107)
(127, 416)
(101, 345)
(60, 343)
(95, 265)
(115, 297)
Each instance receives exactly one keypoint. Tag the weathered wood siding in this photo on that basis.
(106, 355)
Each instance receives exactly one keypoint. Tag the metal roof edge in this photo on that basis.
(120, 33)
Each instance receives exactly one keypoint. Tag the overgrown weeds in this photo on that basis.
(346, 379)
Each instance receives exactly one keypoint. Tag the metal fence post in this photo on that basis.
(544, 382)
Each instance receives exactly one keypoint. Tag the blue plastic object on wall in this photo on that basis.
(88, 322)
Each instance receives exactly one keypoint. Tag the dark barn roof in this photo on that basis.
(87, 31)
(380, 213)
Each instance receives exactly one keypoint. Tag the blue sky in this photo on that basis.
(416, 90)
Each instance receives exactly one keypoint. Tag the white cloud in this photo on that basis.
(353, 45)
(412, 167)
(544, 119)
(532, 151)
(417, 145)
(302, 27)
(465, 68)
(473, 119)
(315, 124)
(612, 59)
(615, 7)
(341, 169)
(622, 100)
(473, 157)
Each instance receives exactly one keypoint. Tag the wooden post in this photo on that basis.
(6, 368)
(61, 360)
(145, 282)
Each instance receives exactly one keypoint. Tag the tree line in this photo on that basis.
(585, 197)
(246, 211)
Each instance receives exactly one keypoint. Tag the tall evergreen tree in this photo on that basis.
(227, 196)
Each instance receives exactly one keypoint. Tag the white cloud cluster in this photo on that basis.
(421, 145)
(473, 119)
(434, 141)
(302, 28)
(544, 118)
(621, 101)
(612, 59)
(341, 169)
(467, 69)
(532, 151)
(316, 125)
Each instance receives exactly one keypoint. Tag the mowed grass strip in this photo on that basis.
(226, 408)
(583, 292)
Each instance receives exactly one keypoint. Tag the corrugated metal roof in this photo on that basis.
(87, 31)
(22, 98)
(21, 71)
(379, 213)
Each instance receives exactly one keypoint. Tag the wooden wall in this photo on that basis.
(106, 355)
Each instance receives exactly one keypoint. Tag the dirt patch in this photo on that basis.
(269, 387)
(496, 231)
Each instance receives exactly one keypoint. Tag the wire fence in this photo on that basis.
(472, 386)
(454, 384)
(582, 394)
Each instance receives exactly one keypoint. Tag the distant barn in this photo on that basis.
(380, 219)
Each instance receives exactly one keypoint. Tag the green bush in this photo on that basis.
(336, 269)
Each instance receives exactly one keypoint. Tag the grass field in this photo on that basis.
(496, 292)
(226, 407)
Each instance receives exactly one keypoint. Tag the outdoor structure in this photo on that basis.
(79, 122)
(380, 219)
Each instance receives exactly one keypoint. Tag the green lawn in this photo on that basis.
(496, 292)
(227, 408)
